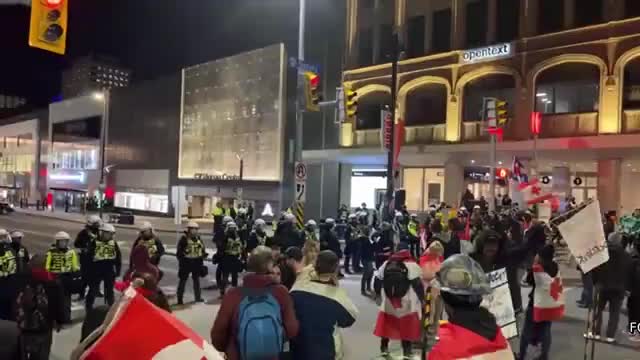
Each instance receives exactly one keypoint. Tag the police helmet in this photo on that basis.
(242, 211)
(108, 228)
(289, 217)
(227, 219)
(312, 223)
(352, 216)
(231, 226)
(461, 275)
(192, 225)
(61, 235)
(16, 234)
(399, 215)
(414, 216)
(146, 226)
(4, 236)
(93, 220)
(330, 221)
(259, 223)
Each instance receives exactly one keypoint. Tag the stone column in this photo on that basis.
(569, 14)
(609, 116)
(351, 41)
(528, 18)
(453, 183)
(458, 13)
(609, 182)
(453, 123)
(492, 21)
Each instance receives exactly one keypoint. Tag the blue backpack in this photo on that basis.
(260, 329)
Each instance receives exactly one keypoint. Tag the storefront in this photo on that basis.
(424, 187)
(140, 190)
(368, 186)
(19, 147)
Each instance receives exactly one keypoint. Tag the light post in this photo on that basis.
(104, 126)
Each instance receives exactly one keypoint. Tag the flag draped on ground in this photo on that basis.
(584, 235)
(142, 331)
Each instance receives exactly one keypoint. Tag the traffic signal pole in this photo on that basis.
(299, 111)
(388, 212)
(489, 121)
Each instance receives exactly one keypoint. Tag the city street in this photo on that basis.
(568, 342)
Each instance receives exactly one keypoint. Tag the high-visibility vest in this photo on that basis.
(151, 246)
(413, 228)
(62, 261)
(8, 265)
(105, 250)
(195, 249)
(310, 235)
(234, 247)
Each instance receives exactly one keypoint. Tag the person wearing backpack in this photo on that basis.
(401, 306)
(322, 308)
(38, 310)
(256, 319)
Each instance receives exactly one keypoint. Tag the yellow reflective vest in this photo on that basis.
(8, 264)
(194, 249)
(105, 250)
(62, 261)
(413, 228)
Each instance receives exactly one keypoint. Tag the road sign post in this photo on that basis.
(300, 174)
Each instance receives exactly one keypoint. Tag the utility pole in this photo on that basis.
(489, 119)
(103, 145)
(301, 31)
(389, 213)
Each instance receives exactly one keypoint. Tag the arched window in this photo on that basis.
(631, 97)
(500, 86)
(427, 105)
(369, 109)
(568, 88)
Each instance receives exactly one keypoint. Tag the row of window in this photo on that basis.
(551, 18)
(562, 89)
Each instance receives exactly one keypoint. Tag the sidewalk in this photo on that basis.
(160, 224)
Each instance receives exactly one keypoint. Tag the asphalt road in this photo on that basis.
(568, 343)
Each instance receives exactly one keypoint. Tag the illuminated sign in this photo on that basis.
(79, 177)
(225, 177)
(492, 52)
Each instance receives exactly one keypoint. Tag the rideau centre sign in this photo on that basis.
(488, 53)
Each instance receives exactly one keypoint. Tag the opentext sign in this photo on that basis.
(487, 53)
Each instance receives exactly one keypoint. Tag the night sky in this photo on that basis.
(153, 37)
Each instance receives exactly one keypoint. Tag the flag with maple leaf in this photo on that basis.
(548, 296)
(532, 192)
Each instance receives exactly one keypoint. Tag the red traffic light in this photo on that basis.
(314, 81)
(52, 3)
(502, 173)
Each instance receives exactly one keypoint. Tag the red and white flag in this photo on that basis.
(548, 297)
(532, 193)
(142, 331)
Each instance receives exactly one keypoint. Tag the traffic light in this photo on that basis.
(312, 91)
(502, 113)
(48, 28)
(350, 103)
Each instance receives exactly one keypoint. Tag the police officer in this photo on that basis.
(219, 241)
(352, 248)
(63, 261)
(413, 227)
(383, 247)
(258, 236)
(191, 254)
(329, 240)
(8, 268)
(148, 238)
(311, 243)
(85, 237)
(22, 254)
(231, 262)
(105, 265)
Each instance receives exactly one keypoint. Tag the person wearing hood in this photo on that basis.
(401, 306)
(141, 263)
(611, 280)
(38, 311)
(84, 238)
(105, 265)
(471, 331)
(191, 254)
(148, 238)
(8, 269)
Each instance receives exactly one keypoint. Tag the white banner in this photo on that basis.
(584, 234)
(499, 303)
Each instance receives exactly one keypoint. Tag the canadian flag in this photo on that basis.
(532, 192)
(548, 296)
(142, 331)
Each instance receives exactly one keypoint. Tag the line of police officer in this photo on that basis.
(14, 265)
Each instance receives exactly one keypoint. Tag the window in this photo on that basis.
(416, 28)
(550, 16)
(427, 105)
(508, 20)
(500, 86)
(365, 44)
(588, 12)
(369, 110)
(386, 43)
(568, 88)
(632, 8)
(476, 23)
(631, 99)
(441, 34)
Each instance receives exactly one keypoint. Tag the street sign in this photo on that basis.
(301, 192)
(301, 172)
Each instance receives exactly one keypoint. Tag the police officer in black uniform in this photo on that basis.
(191, 254)
(85, 237)
(22, 254)
(105, 265)
(8, 268)
(258, 236)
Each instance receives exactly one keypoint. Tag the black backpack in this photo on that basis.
(396, 279)
(32, 313)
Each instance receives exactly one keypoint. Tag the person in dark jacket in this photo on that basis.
(367, 257)
(22, 254)
(105, 265)
(85, 237)
(321, 307)
(286, 234)
(225, 327)
(328, 238)
(191, 254)
(611, 280)
(352, 249)
(532, 332)
(258, 236)
(383, 247)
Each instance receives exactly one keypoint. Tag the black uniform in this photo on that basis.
(231, 261)
(8, 269)
(257, 238)
(191, 254)
(352, 249)
(329, 240)
(105, 266)
(85, 237)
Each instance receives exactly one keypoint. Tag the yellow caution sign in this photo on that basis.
(299, 213)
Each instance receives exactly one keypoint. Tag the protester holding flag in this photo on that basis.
(256, 319)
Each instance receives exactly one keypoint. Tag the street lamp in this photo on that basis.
(103, 97)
